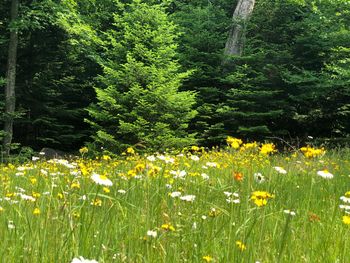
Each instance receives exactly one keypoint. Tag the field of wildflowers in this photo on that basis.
(245, 203)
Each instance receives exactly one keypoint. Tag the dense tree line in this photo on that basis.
(159, 74)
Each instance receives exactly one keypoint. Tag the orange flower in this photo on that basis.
(238, 176)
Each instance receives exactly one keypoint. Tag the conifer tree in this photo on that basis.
(139, 102)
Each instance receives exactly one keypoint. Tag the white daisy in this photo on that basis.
(325, 174)
(280, 170)
(101, 179)
(188, 198)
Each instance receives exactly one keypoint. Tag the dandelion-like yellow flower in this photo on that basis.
(36, 211)
(83, 150)
(106, 158)
(346, 220)
(130, 150)
(96, 202)
(241, 245)
(260, 197)
(168, 227)
(106, 190)
(207, 258)
(75, 185)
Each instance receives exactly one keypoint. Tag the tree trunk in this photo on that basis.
(10, 98)
(235, 41)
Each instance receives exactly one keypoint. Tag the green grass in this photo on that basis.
(69, 225)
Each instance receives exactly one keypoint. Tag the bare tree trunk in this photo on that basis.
(10, 97)
(235, 41)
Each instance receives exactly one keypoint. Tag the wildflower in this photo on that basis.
(188, 198)
(166, 159)
(36, 211)
(178, 174)
(280, 170)
(204, 217)
(313, 217)
(195, 148)
(229, 194)
(75, 185)
(10, 225)
(345, 199)
(83, 150)
(251, 145)
(34, 158)
(267, 148)
(106, 158)
(258, 177)
(238, 176)
(101, 179)
(168, 227)
(1, 209)
(213, 212)
(234, 142)
(260, 197)
(241, 246)
(310, 152)
(205, 176)
(325, 174)
(151, 158)
(233, 200)
(27, 197)
(121, 191)
(96, 202)
(289, 212)
(194, 158)
(106, 190)
(83, 260)
(130, 150)
(207, 258)
(211, 164)
(346, 220)
(152, 233)
(175, 194)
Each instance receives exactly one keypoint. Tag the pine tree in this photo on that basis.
(139, 102)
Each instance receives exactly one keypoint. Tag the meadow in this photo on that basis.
(243, 203)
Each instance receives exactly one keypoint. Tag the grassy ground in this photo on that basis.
(229, 205)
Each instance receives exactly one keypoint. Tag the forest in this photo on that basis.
(166, 74)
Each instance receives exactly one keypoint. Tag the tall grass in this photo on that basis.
(72, 215)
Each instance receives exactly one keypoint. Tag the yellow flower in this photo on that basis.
(60, 196)
(346, 220)
(36, 211)
(260, 197)
(168, 227)
(234, 142)
(310, 152)
(96, 202)
(106, 158)
(241, 246)
(33, 180)
(130, 150)
(207, 258)
(75, 185)
(267, 148)
(83, 150)
(195, 148)
(106, 190)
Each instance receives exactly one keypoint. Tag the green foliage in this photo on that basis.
(138, 98)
